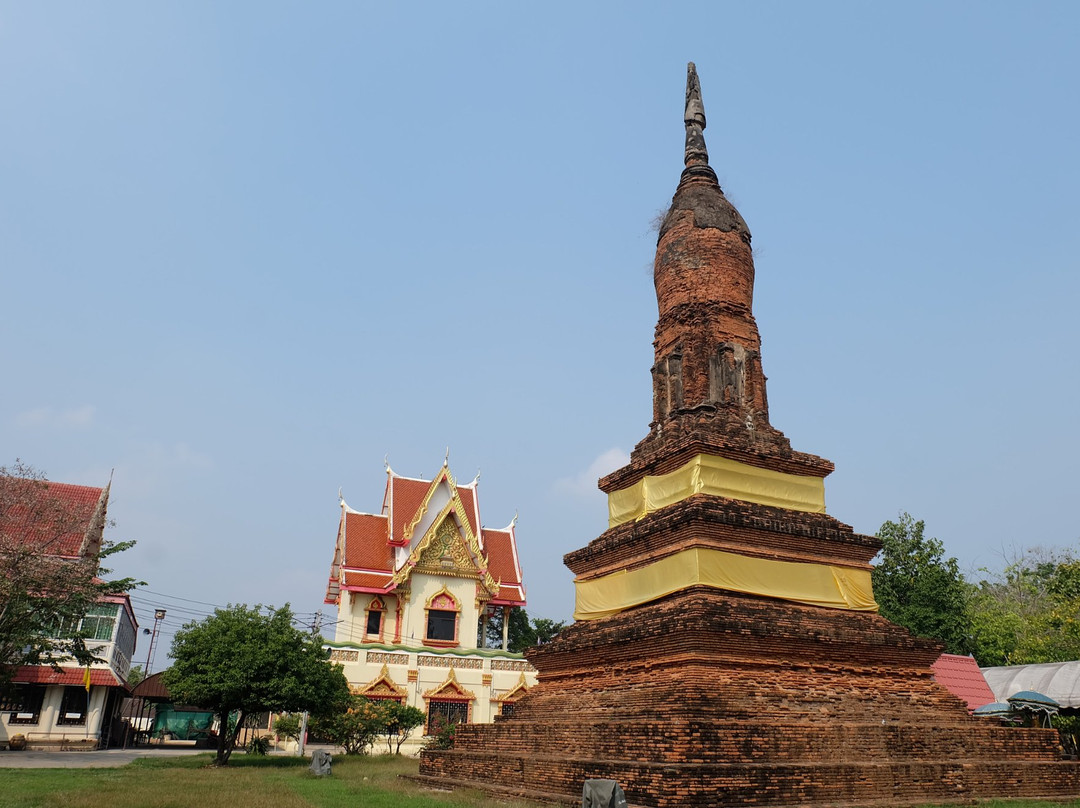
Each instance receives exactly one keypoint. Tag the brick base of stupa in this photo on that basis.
(708, 698)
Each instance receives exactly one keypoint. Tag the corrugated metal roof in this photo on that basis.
(1058, 680)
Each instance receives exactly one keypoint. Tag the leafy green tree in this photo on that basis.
(288, 726)
(523, 633)
(44, 595)
(399, 721)
(135, 675)
(354, 728)
(546, 630)
(1028, 613)
(240, 661)
(919, 588)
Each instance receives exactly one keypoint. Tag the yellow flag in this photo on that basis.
(86, 678)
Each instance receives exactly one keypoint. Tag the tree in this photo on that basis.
(353, 728)
(1028, 613)
(45, 587)
(135, 675)
(920, 589)
(240, 661)
(288, 726)
(399, 722)
(546, 630)
(523, 633)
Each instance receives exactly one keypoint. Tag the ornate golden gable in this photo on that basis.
(407, 534)
(450, 689)
(446, 554)
(381, 687)
(449, 547)
(516, 692)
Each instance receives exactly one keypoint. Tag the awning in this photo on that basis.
(46, 675)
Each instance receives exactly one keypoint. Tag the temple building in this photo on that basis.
(727, 648)
(416, 586)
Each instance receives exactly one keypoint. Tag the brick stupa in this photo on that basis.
(727, 649)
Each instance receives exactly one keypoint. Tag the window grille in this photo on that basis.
(23, 704)
(73, 707)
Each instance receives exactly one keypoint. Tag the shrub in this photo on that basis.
(444, 738)
(259, 745)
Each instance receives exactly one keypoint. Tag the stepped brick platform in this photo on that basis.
(727, 649)
(708, 699)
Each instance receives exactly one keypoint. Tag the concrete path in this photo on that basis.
(98, 759)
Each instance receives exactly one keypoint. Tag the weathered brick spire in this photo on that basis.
(708, 382)
(708, 352)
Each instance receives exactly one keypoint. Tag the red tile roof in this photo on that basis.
(56, 517)
(45, 675)
(364, 558)
(367, 581)
(962, 677)
(406, 496)
(366, 542)
(467, 494)
(501, 548)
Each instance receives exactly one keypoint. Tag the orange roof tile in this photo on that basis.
(961, 676)
(468, 502)
(369, 541)
(365, 542)
(55, 517)
(367, 581)
(46, 675)
(406, 496)
(501, 548)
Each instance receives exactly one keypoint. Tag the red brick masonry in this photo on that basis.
(709, 698)
(712, 699)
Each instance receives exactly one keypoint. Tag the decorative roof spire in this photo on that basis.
(696, 158)
(694, 119)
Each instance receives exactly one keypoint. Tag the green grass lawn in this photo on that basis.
(248, 782)
(251, 782)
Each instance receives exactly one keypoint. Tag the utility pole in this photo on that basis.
(303, 734)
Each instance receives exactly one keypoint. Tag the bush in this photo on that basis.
(259, 745)
(444, 738)
(400, 721)
(354, 730)
(288, 726)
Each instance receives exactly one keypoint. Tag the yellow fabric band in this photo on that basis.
(814, 584)
(708, 474)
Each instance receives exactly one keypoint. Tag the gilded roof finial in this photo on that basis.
(695, 120)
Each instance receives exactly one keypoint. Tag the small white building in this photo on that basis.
(415, 586)
(72, 706)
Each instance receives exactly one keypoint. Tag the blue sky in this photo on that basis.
(249, 249)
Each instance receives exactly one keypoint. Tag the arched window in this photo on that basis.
(373, 620)
(443, 612)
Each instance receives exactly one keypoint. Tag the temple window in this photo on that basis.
(443, 712)
(373, 626)
(442, 620)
